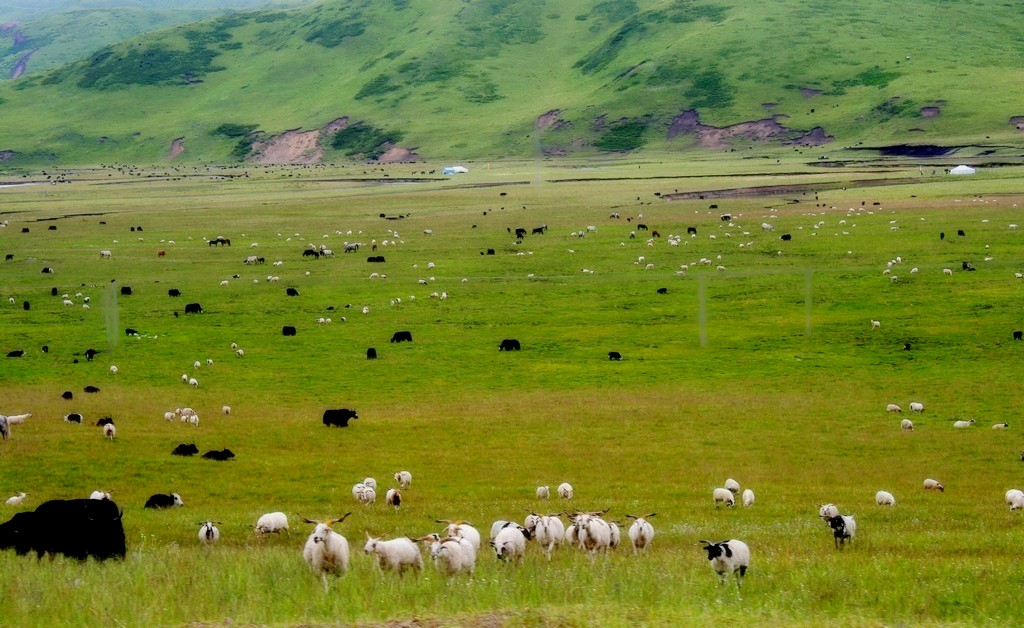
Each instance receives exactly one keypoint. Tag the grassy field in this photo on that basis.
(767, 372)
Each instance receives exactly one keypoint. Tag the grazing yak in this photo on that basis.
(339, 417)
(126, 291)
(288, 330)
(193, 308)
(509, 344)
(77, 528)
(614, 355)
(222, 455)
(184, 449)
(371, 354)
(402, 336)
(174, 292)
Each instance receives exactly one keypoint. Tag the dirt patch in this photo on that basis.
(762, 130)
(809, 92)
(336, 125)
(929, 112)
(177, 148)
(549, 120)
(291, 147)
(1018, 121)
(397, 154)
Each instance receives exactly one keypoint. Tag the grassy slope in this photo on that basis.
(798, 418)
(470, 80)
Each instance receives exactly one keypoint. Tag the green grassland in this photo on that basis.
(767, 371)
(456, 80)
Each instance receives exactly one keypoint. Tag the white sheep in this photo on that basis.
(1018, 502)
(733, 486)
(100, 495)
(727, 557)
(510, 544)
(272, 523)
(169, 416)
(725, 496)
(885, 498)
(393, 498)
(907, 424)
(225, 409)
(369, 496)
(892, 407)
(18, 419)
(193, 382)
(875, 324)
(947, 271)
(357, 491)
(208, 533)
(565, 490)
(196, 364)
(916, 406)
(15, 500)
(452, 554)
(113, 369)
(933, 485)
(372, 483)
(397, 554)
(997, 426)
(543, 492)
(641, 533)
(326, 551)
(404, 479)
(1012, 496)
(240, 353)
(962, 424)
(462, 529)
(748, 497)
(109, 431)
(593, 533)
(548, 531)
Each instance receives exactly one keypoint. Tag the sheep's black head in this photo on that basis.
(715, 550)
(838, 525)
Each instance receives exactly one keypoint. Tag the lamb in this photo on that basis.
(727, 557)
(962, 424)
(404, 479)
(393, 498)
(733, 486)
(892, 407)
(907, 424)
(641, 533)
(510, 544)
(208, 533)
(543, 492)
(396, 555)
(885, 498)
(565, 490)
(933, 485)
(843, 529)
(875, 324)
(916, 406)
(748, 497)
(272, 523)
(724, 496)
(326, 551)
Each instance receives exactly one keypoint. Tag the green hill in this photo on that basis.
(499, 78)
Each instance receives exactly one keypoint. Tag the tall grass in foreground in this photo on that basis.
(767, 372)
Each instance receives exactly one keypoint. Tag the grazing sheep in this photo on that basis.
(357, 491)
(462, 529)
(1013, 495)
(370, 482)
(892, 407)
(947, 271)
(748, 497)
(565, 490)
(733, 486)
(549, 531)
(225, 409)
(592, 533)
(543, 492)
(641, 533)
(724, 496)
(326, 551)
(917, 407)
(1018, 502)
(397, 554)
(393, 498)
(169, 416)
(369, 496)
(404, 479)
(451, 554)
(208, 533)
(843, 529)
(16, 500)
(272, 523)
(193, 382)
(100, 495)
(510, 543)
(962, 424)
(727, 557)
(18, 419)
(907, 424)
(109, 431)
(997, 426)
(885, 498)
(113, 370)
(933, 485)
(875, 324)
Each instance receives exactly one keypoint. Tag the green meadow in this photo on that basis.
(761, 365)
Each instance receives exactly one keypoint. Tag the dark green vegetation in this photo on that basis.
(470, 80)
(367, 141)
(767, 371)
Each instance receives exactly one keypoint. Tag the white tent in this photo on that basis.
(455, 170)
(962, 170)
